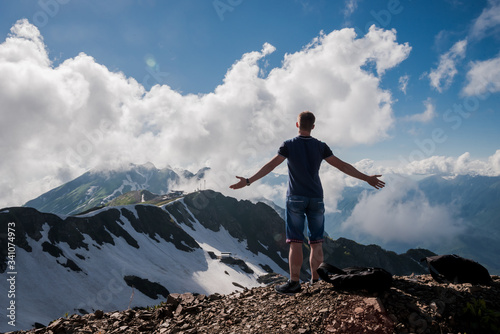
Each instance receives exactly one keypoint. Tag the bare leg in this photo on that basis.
(295, 260)
(315, 259)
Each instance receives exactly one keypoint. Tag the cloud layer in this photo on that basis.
(436, 165)
(58, 122)
(454, 166)
(401, 213)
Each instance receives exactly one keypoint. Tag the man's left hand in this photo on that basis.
(375, 182)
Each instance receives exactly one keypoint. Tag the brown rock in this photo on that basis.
(57, 326)
(417, 304)
(98, 314)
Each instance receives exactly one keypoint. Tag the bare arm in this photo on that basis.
(266, 169)
(351, 171)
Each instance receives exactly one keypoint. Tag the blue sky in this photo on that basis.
(424, 98)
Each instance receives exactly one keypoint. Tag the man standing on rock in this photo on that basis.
(305, 195)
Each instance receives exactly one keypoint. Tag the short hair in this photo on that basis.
(306, 120)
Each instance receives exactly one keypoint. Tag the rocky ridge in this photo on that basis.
(414, 304)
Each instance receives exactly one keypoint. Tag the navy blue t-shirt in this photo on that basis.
(304, 154)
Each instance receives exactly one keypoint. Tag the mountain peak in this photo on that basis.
(97, 187)
(148, 165)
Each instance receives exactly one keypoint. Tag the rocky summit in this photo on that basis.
(413, 304)
(201, 243)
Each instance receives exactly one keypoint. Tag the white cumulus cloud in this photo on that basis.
(488, 22)
(403, 83)
(426, 116)
(483, 77)
(350, 7)
(58, 122)
(442, 77)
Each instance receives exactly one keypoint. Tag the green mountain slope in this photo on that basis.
(97, 188)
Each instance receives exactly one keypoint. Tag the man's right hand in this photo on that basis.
(240, 184)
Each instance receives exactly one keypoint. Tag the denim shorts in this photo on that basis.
(297, 209)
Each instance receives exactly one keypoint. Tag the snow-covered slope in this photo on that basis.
(83, 263)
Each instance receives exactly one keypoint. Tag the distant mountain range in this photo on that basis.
(97, 188)
(136, 254)
(474, 200)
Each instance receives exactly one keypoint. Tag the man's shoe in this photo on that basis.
(289, 288)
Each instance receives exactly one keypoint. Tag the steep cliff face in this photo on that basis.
(257, 224)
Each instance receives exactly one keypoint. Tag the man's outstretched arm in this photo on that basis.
(351, 171)
(266, 169)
